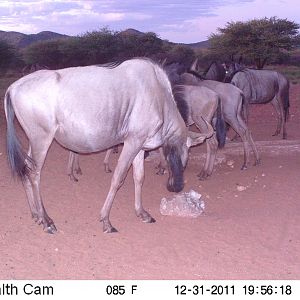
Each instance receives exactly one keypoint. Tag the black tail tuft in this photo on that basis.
(286, 101)
(220, 126)
(17, 158)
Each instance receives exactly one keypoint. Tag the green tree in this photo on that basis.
(182, 54)
(258, 40)
(139, 45)
(44, 53)
(8, 55)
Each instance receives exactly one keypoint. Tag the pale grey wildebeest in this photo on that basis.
(89, 109)
(203, 105)
(260, 87)
(232, 108)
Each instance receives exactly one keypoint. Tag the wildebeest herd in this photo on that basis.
(139, 104)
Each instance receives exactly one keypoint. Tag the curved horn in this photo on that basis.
(163, 62)
(194, 65)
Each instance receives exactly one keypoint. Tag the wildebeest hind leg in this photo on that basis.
(211, 149)
(39, 149)
(280, 115)
(242, 130)
(29, 191)
(138, 177)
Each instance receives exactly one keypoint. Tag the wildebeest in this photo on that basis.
(215, 71)
(232, 109)
(260, 87)
(203, 105)
(93, 108)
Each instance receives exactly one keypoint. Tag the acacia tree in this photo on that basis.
(8, 55)
(258, 40)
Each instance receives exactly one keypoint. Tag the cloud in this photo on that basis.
(201, 27)
(176, 20)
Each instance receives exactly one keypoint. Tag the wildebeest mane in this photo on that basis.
(181, 102)
(114, 64)
(110, 65)
(196, 74)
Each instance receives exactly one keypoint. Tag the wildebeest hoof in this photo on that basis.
(161, 171)
(50, 229)
(73, 178)
(109, 230)
(107, 227)
(148, 219)
(202, 176)
(107, 169)
(78, 171)
(244, 167)
(257, 162)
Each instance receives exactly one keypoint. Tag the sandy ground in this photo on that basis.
(249, 234)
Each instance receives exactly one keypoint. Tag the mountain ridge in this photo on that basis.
(22, 40)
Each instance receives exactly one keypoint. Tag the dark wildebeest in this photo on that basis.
(260, 87)
(203, 105)
(232, 109)
(93, 108)
(215, 71)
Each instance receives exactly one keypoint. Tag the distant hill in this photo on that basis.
(199, 45)
(21, 40)
(131, 31)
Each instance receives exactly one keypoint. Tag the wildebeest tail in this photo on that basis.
(17, 158)
(286, 100)
(220, 126)
(244, 108)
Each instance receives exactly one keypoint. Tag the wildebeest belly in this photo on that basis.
(91, 131)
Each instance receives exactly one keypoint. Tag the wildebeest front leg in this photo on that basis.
(130, 150)
(138, 176)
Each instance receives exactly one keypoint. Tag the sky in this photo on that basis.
(181, 21)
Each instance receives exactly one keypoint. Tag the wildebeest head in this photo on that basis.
(176, 155)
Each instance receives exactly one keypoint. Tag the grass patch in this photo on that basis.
(291, 72)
